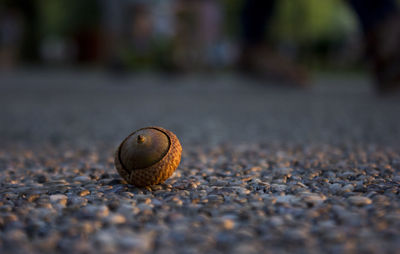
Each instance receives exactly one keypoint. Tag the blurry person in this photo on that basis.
(138, 34)
(198, 31)
(380, 22)
(113, 13)
(10, 37)
(199, 42)
(256, 57)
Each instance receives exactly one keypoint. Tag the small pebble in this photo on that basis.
(117, 219)
(84, 193)
(59, 198)
(359, 201)
(228, 224)
(81, 179)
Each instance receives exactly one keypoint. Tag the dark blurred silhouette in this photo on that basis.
(380, 22)
(11, 32)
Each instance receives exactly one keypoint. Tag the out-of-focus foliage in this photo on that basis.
(305, 20)
(301, 20)
(323, 33)
(60, 17)
(232, 16)
(53, 17)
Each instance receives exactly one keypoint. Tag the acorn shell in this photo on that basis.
(156, 173)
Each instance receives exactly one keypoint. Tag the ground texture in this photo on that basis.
(264, 169)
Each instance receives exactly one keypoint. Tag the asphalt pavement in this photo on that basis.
(265, 168)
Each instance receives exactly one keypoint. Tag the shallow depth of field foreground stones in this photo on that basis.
(264, 170)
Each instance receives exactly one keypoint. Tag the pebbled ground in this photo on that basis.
(264, 170)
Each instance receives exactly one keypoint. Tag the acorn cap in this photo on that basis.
(148, 156)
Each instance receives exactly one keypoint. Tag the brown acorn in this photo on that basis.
(148, 156)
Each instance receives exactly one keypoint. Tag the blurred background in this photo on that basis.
(84, 71)
(171, 35)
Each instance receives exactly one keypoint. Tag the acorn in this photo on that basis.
(148, 156)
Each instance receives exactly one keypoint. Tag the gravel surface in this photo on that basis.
(264, 169)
